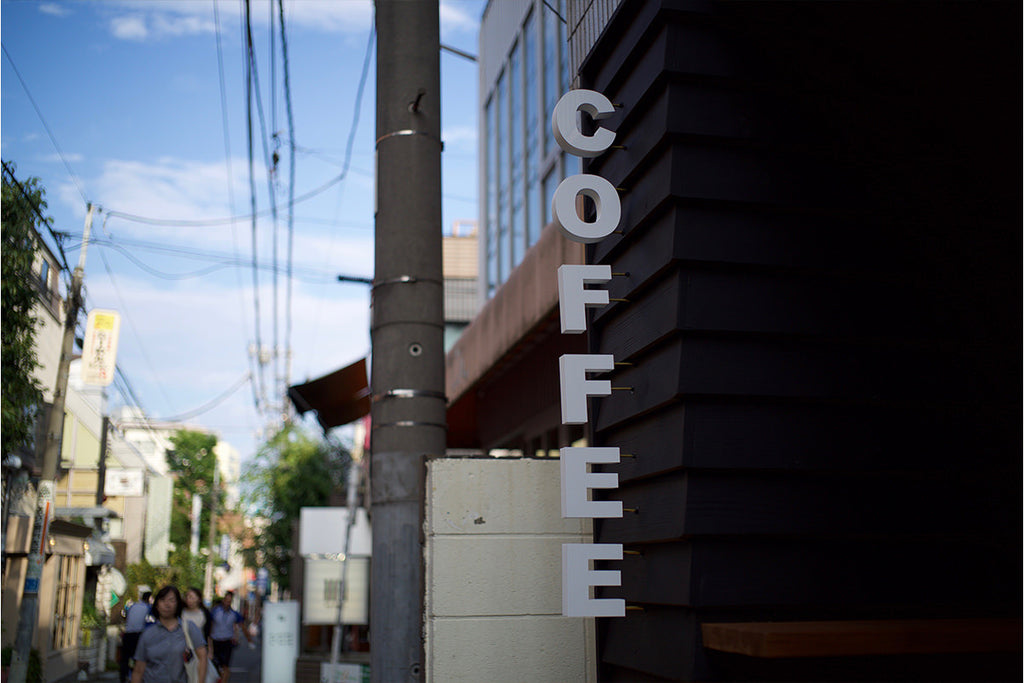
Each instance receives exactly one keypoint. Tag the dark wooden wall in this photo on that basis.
(822, 230)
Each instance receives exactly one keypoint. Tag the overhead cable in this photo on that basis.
(252, 198)
(131, 325)
(227, 158)
(271, 172)
(53, 139)
(209, 405)
(291, 198)
(57, 238)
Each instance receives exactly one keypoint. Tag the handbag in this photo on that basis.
(191, 658)
(212, 671)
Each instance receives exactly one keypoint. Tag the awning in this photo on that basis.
(338, 398)
(98, 552)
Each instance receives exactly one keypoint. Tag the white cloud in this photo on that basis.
(169, 18)
(171, 189)
(136, 20)
(456, 19)
(196, 335)
(459, 136)
(54, 9)
(131, 27)
(55, 158)
(169, 25)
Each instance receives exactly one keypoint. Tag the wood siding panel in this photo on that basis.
(822, 245)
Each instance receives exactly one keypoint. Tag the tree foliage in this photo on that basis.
(21, 393)
(291, 471)
(194, 462)
(183, 570)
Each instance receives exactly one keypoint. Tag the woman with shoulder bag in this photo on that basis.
(170, 651)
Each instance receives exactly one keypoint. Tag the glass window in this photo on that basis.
(534, 217)
(492, 197)
(504, 190)
(515, 97)
(563, 41)
(572, 164)
(551, 181)
(552, 28)
(44, 275)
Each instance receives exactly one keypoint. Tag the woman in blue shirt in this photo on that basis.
(163, 650)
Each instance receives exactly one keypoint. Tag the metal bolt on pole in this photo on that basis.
(407, 330)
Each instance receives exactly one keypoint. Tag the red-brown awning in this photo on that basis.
(338, 398)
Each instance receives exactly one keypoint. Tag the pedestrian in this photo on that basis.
(163, 648)
(195, 611)
(226, 623)
(134, 623)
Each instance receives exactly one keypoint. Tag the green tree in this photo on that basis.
(183, 570)
(291, 471)
(21, 393)
(193, 461)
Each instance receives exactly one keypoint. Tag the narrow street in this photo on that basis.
(245, 663)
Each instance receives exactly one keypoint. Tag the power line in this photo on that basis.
(351, 136)
(53, 139)
(271, 174)
(261, 395)
(291, 195)
(227, 160)
(45, 221)
(209, 405)
(222, 261)
(208, 222)
(131, 325)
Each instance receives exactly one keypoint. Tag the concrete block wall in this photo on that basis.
(494, 536)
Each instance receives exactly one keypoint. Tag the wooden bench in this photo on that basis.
(862, 638)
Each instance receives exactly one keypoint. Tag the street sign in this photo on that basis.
(99, 348)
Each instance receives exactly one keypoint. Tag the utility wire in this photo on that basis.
(261, 394)
(209, 405)
(57, 238)
(222, 261)
(208, 222)
(271, 173)
(351, 140)
(131, 325)
(53, 139)
(227, 161)
(291, 195)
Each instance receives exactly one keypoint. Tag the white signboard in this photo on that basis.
(280, 641)
(99, 349)
(320, 592)
(344, 673)
(322, 532)
(123, 483)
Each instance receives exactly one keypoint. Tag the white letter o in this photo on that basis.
(606, 199)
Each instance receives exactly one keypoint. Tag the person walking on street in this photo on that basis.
(164, 649)
(196, 612)
(134, 623)
(226, 622)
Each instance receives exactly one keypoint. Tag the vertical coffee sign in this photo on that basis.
(573, 299)
(99, 349)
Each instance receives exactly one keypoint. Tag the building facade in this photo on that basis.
(819, 313)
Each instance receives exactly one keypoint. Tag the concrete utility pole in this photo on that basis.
(212, 535)
(29, 612)
(407, 331)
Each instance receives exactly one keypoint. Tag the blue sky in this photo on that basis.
(131, 93)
